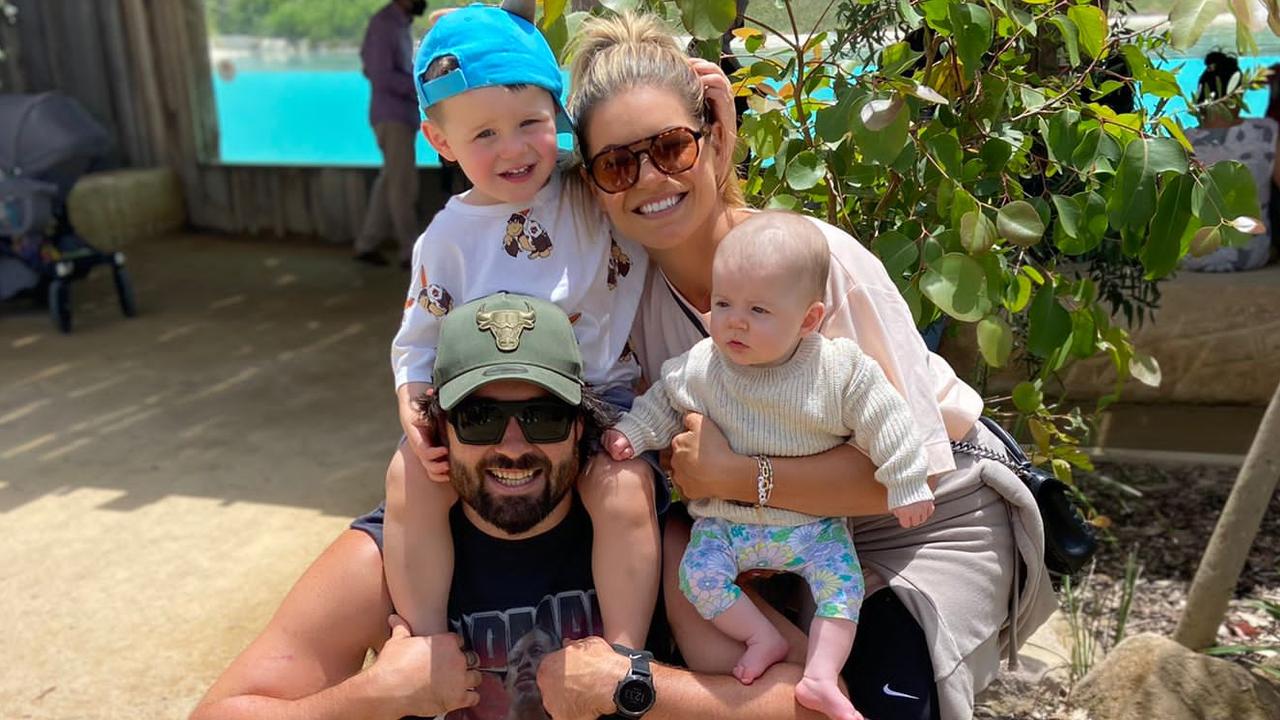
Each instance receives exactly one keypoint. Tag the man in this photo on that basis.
(522, 575)
(387, 57)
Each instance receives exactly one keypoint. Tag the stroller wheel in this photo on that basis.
(124, 289)
(60, 304)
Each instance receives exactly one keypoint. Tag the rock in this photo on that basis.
(1149, 676)
(1045, 657)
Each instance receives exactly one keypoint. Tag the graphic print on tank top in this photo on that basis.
(512, 602)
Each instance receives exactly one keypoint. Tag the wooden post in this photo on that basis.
(1237, 526)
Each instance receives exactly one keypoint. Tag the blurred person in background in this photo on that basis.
(1224, 135)
(387, 57)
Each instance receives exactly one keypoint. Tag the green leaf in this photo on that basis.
(1206, 240)
(995, 154)
(619, 6)
(908, 13)
(1060, 135)
(557, 35)
(1027, 397)
(1164, 244)
(833, 122)
(783, 201)
(957, 284)
(896, 58)
(971, 26)
(1083, 334)
(977, 234)
(1189, 19)
(1049, 323)
(1082, 222)
(898, 253)
(882, 146)
(1145, 369)
(1133, 200)
(1086, 150)
(1019, 223)
(1061, 470)
(805, 170)
(1070, 37)
(945, 148)
(1226, 191)
(1092, 24)
(995, 340)
(708, 18)
(552, 10)
(1018, 294)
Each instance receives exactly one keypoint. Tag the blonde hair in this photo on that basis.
(785, 240)
(612, 55)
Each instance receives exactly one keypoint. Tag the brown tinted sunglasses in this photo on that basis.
(671, 151)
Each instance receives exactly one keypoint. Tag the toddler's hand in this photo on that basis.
(913, 514)
(617, 445)
(420, 433)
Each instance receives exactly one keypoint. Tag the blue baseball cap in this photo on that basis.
(493, 47)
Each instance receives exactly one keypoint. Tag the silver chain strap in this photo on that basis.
(968, 448)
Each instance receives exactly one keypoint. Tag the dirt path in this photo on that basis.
(163, 480)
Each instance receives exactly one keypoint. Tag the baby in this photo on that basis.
(775, 386)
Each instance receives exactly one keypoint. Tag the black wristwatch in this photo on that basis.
(635, 694)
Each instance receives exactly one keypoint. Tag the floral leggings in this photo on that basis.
(821, 552)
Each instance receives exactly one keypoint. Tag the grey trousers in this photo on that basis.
(392, 209)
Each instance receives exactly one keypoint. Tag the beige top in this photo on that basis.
(863, 305)
(828, 391)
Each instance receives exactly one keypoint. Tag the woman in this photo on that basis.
(1224, 135)
(658, 160)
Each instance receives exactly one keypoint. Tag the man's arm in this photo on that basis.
(578, 682)
(307, 662)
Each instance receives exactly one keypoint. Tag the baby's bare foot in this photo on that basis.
(826, 698)
(760, 655)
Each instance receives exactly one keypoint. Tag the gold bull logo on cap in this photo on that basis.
(506, 325)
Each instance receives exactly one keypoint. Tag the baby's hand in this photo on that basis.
(617, 445)
(914, 514)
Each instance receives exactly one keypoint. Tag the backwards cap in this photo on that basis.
(494, 47)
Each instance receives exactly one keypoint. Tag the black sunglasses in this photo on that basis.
(482, 421)
(671, 151)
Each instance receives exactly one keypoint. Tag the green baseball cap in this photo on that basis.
(507, 337)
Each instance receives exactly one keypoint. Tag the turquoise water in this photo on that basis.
(289, 115)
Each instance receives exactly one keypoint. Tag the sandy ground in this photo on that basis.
(165, 479)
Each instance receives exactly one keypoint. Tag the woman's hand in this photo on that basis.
(578, 682)
(703, 465)
(719, 94)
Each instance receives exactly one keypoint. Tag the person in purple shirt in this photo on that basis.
(387, 57)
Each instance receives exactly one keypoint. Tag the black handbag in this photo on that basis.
(1069, 540)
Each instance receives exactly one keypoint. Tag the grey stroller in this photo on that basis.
(46, 143)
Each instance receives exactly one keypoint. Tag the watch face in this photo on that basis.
(635, 696)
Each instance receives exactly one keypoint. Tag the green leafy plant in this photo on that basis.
(1097, 620)
(998, 157)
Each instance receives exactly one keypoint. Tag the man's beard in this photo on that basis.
(514, 514)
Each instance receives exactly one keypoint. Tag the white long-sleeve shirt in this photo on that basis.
(558, 247)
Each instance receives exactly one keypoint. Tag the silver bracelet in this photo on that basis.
(764, 480)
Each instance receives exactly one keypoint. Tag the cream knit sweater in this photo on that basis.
(826, 392)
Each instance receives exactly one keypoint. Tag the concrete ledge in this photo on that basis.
(1215, 335)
